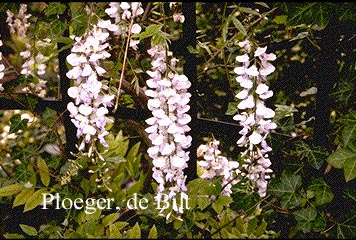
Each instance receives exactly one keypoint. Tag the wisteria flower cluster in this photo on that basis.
(255, 117)
(217, 165)
(2, 68)
(122, 12)
(18, 25)
(91, 100)
(168, 127)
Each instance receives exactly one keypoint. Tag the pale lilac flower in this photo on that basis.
(2, 68)
(255, 119)
(31, 59)
(216, 165)
(122, 13)
(168, 127)
(91, 99)
(178, 17)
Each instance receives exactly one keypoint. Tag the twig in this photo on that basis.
(124, 62)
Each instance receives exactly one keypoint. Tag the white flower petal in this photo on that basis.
(252, 71)
(73, 92)
(240, 70)
(85, 110)
(264, 71)
(242, 58)
(178, 162)
(136, 28)
(158, 140)
(159, 162)
(242, 95)
(261, 88)
(255, 138)
(259, 51)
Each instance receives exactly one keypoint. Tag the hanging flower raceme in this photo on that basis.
(255, 117)
(2, 68)
(216, 165)
(91, 100)
(18, 24)
(168, 127)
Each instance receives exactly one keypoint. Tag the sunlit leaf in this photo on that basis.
(29, 230)
(337, 159)
(111, 218)
(350, 168)
(134, 232)
(231, 108)
(153, 233)
(22, 197)
(43, 170)
(35, 200)
(349, 134)
(10, 190)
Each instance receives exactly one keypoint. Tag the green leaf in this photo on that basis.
(249, 11)
(322, 191)
(153, 233)
(31, 231)
(10, 190)
(17, 124)
(286, 188)
(225, 234)
(134, 232)
(261, 228)
(350, 168)
(263, 4)
(43, 170)
(283, 111)
(231, 108)
(202, 186)
(239, 25)
(308, 13)
(111, 218)
(346, 231)
(201, 201)
(54, 8)
(337, 159)
(13, 236)
(149, 31)
(80, 18)
(220, 202)
(35, 200)
(305, 217)
(280, 19)
(133, 164)
(349, 134)
(22, 197)
(28, 100)
(315, 155)
(114, 230)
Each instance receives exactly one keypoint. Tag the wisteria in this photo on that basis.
(91, 100)
(18, 24)
(168, 127)
(216, 165)
(2, 67)
(255, 117)
(122, 12)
